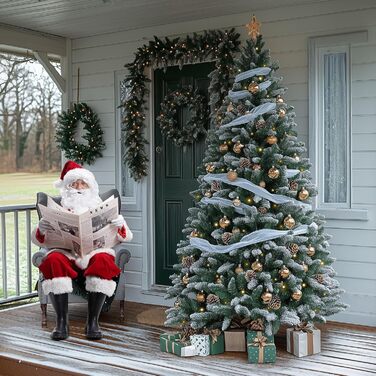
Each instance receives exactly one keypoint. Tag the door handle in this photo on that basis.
(158, 149)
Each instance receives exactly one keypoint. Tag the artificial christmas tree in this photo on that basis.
(255, 249)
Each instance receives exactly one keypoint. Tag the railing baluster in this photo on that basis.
(15, 209)
(4, 254)
(16, 253)
(28, 241)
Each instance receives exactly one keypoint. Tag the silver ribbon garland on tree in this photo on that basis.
(252, 115)
(254, 237)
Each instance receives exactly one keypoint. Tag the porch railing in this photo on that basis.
(16, 252)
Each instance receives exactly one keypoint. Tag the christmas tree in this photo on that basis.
(255, 249)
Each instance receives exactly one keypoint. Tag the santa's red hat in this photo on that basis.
(71, 172)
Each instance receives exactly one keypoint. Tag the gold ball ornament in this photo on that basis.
(200, 297)
(289, 222)
(223, 148)
(239, 269)
(232, 175)
(271, 139)
(253, 87)
(284, 272)
(208, 193)
(282, 112)
(210, 167)
(256, 266)
(185, 279)
(273, 173)
(195, 234)
(297, 295)
(224, 222)
(266, 297)
(303, 194)
(311, 250)
(262, 184)
(236, 201)
(279, 99)
(238, 147)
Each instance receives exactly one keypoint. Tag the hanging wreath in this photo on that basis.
(66, 131)
(194, 127)
(217, 45)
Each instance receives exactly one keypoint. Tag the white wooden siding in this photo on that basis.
(286, 32)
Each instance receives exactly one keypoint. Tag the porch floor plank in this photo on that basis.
(132, 348)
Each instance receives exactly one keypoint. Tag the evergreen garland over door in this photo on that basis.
(175, 168)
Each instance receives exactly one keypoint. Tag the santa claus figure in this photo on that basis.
(79, 192)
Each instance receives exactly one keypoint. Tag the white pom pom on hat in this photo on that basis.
(71, 172)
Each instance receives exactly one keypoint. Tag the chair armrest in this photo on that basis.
(122, 255)
(38, 257)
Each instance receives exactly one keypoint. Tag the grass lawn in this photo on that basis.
(18, 189)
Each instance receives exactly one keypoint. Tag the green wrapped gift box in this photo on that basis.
(260, 347)
(174, 347)
(217, 344)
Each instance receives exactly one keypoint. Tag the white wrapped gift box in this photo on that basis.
(303, 343)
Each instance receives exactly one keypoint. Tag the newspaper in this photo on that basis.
(81, 233)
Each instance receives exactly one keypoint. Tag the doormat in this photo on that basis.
(153, 316)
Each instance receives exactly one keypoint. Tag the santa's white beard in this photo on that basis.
(79, 201)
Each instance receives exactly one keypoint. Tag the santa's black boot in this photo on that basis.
(95, 303)
(60, 304)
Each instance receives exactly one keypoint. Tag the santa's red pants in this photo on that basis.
(59, 270)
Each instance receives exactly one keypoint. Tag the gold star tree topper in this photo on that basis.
(253, 28)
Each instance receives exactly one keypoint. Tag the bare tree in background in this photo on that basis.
(28, 106)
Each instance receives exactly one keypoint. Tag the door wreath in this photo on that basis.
(195, 127)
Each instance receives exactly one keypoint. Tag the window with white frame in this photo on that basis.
(334, 125)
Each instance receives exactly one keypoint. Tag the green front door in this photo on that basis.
(175, 168)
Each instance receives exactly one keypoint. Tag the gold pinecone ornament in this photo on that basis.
(244, 163)
(226, 237)
(294, 249)
(187, 261)
(249, 275)
(275, 303)
(212, 299)
(215, 186)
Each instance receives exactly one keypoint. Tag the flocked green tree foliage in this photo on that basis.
(254, 248)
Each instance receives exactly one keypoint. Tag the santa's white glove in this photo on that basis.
(119, 221)
(44, 226)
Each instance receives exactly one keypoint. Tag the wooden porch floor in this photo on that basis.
(131, 348)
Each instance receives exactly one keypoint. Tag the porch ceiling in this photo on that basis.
(80, 18)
